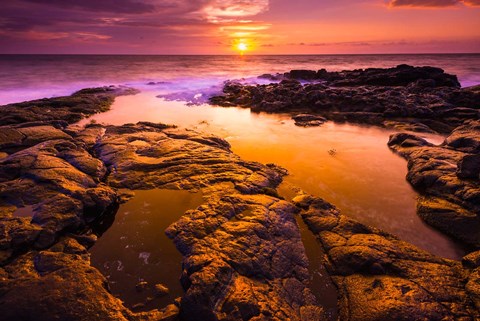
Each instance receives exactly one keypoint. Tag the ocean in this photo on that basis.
(26, 77)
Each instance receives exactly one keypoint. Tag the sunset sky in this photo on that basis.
(216, 27)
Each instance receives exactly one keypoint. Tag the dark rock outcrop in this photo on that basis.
(402, 75)
(70, 109)
(308, 120)
(425, 98)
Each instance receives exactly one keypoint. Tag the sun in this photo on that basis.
(242, 46)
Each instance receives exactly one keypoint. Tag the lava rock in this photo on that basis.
(426, 98)
(451, 192)
(469, 167)
(68, 108)
(380, 277)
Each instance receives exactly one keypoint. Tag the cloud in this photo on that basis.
(129, 23)
(432, 3)
(221, 11)
(423, 3)
(473, 3)
(55, 36)
(326, 44)
(119, 6)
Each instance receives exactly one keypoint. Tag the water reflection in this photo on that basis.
(363, 178)
(135, 249)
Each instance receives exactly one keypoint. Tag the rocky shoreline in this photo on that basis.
(448, 178)
(380, 277)
(414, 99)
(410, 98)
(243, 256)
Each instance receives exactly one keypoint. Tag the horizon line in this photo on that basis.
(245, 55)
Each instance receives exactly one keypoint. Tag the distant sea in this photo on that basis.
(26, 77)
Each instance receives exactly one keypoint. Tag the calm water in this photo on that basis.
(135, 248)
(364, 178)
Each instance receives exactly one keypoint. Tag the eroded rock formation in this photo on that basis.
(380, 277)
(447, 177)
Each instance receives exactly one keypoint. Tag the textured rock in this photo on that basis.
(243, 256)
(402, 75)
(447, 177)
(302, 74)
(64, 198)
(472, 260)
(380, 277)
(465, 138)
(413, 126)
(244, 260)
(144, 156)
(69, 108)
(45, 271)
(469, 167)
(61, 285)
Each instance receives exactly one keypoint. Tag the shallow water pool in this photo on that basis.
(135, 254)
(349, 165)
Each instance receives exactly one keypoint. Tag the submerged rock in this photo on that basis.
(161, 290)
(308, 120)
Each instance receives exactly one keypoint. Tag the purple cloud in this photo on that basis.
(126, 23)
(432, 3)
(119, 6)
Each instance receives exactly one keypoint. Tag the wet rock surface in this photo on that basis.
(145, 156)
(308, 120)
(380, 277)
(245, 261)
(243, 255)
(423, 98)
(243, 258)
(406, 98)
(68, 109)
(447, 177)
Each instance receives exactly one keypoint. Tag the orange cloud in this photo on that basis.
(472, 3)
(218, 11)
